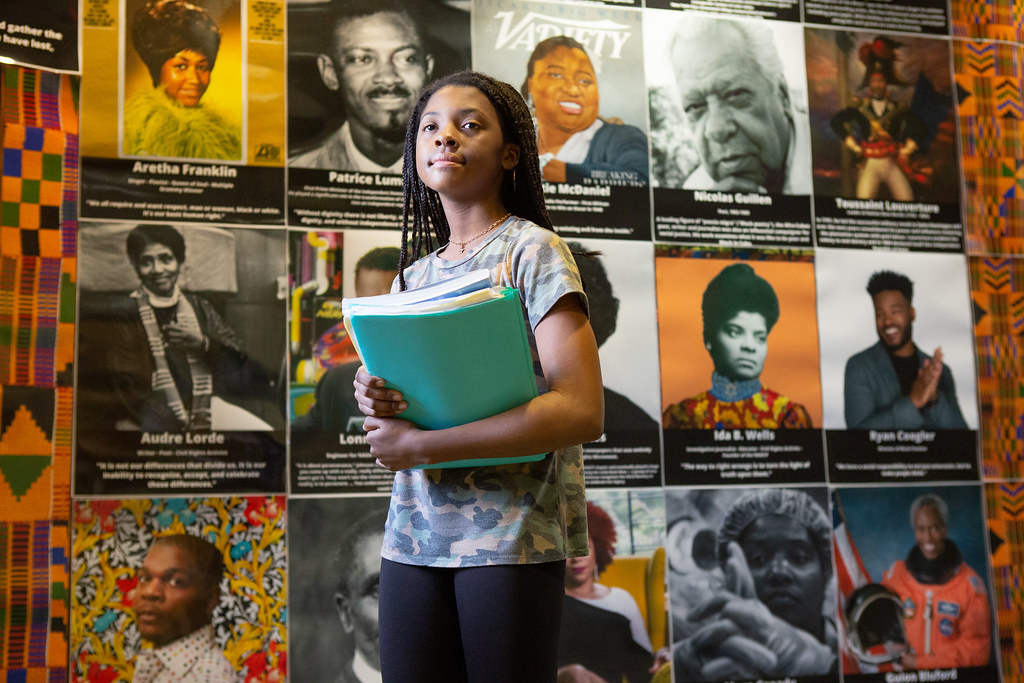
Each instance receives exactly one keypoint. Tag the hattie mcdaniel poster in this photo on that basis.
(580, 68)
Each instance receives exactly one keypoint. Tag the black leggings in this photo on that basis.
(494, 623)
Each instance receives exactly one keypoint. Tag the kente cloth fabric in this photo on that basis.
(997, 286)
(25, 594)
(1004, 505)
(31, 191)
(766, 409)
(38, 211)
(60, 467)
(26, 447)
(989, 112)
(39, 99)
(29, 303)
(69, 198)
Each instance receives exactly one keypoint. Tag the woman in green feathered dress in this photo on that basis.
(178, 42)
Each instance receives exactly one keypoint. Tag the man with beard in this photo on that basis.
(893, 384)
(945, 608)
(767, 619)
(178, 589)
(377, 63)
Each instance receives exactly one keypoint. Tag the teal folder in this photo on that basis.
(452, 366)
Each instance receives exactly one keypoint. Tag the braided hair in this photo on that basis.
(522, 193)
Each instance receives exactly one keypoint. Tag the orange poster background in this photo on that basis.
(792, 365)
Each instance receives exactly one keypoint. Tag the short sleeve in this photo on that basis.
(542, 268)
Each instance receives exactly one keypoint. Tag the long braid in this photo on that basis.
(522, 189)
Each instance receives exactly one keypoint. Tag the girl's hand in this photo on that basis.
(373, 398)
(393, 443)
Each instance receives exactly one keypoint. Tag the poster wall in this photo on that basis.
(732, 177)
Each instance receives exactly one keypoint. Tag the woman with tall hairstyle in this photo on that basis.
(178, 42)
(739, 309)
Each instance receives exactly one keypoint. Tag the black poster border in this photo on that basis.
(963, 674)
(319, 198)
(697, 457)
(143, 463)
(327, 462)
(626, 459)
(938, 227)
(181, 191)
(902, 455)
(703, 213)
(602, 211)
(743, 10)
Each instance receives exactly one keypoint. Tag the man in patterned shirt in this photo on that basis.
(179, 587)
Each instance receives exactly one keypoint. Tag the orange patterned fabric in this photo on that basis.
(766, 409)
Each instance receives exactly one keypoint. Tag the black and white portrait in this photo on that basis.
(751, 566)
(355, 68)
(728, 104)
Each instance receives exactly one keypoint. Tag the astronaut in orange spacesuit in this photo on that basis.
(945, 607)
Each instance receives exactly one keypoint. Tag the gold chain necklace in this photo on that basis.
(492, 226)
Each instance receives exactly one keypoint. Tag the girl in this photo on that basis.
(474, 558)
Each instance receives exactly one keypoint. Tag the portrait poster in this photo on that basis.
(730, 156)
(936, 579)
(173, 133)
(354, 71)
(585, 92)
(618, 282)
(328, 450)
(44, 34)
(874, 433)
(334, 555)
(782, 10)
(622, 635)
(111, 542)
(760, 558)
(908, 16)
(740, 397)
(883, 141)
(181, 346)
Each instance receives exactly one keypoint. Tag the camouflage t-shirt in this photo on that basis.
(503, 514)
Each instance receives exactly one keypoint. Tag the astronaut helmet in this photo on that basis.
(875, 631)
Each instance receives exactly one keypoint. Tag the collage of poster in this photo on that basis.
(799, 476)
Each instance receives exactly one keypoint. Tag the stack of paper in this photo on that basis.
(457, 350)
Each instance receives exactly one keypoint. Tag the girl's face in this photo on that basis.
(186, 76)
(739, 346)
(460, 150)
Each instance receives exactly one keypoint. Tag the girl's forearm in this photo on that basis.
(546, 423)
